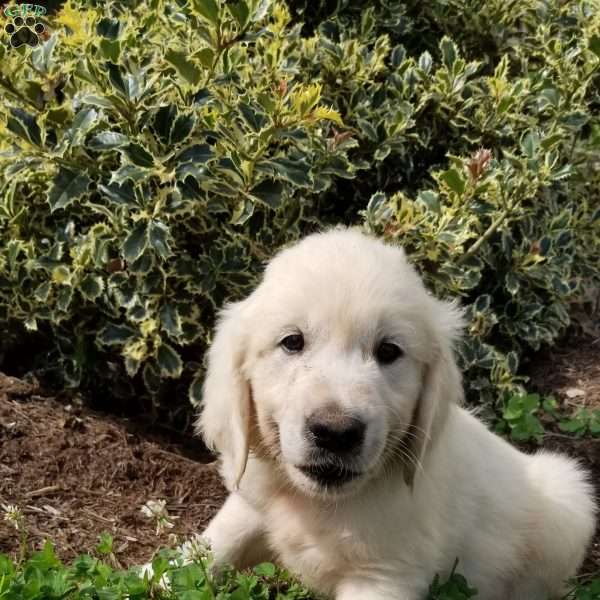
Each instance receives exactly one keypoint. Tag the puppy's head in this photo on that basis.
(336, 367)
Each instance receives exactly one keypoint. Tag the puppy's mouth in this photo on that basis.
(329, 475)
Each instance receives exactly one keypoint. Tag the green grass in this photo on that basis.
(44, 577)
(527, 417)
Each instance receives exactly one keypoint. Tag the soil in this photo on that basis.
(76, 473)
(571, 373)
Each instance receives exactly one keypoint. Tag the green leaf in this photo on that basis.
(121, 194)
(206, 56)
(42, 292)
(198, 153)
(514, 409)
(97, 101)
(163, 121)
(594, 45)
(594, 424)
(139, 156)
(116, 78)
(430, 199)
(113, 334)
(182, 128)
(195, 391)
(168, 361)
(527, 428)
(550, 405)
(141, 266)
(253, 117)
(208, 9)
(294, 171)
(67, 187)
(44, 560)
(158, 234)
(42, 56)
(512, 360)
(382, 152)
(170, 320)
(91, 286)
(551, 140)
(425, 62)
(184, 66)
(111, 49)
(261, 8)
(129, 172)
(105, 546)
(61, 275)
(265, 569)
(84, 120)
(151, 377)
(453, 179)
(108, 28)
(64, 296)
(368, 130)
(449, 52)
(239, 11)
(136, 242)
(531, 403)
(327, 114)
(511, 281)
(25, 126)
(244, 209)
(377, 205)
(575, 120)
(108, 140)
(572, 426)
(530, 144)
(483, 303)
(270, 192)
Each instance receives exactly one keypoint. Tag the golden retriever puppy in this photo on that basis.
(333, 398)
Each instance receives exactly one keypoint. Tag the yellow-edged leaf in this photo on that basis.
(323, 112)
(305, 98)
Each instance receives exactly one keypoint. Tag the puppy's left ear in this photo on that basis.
(225, 419)
(442, 384)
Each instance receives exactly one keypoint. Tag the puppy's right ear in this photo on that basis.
(225, 418)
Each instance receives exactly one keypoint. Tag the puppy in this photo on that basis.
(333, 398)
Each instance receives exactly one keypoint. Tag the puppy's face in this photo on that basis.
(338, 338)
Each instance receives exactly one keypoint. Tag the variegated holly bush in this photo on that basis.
(154, 154)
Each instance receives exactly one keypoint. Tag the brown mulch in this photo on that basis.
(76, 474)
(570, 372)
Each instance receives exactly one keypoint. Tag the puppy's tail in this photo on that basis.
(568, 506)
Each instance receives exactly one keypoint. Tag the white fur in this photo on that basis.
(518, 524)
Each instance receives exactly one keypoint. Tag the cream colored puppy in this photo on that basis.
(333, 398)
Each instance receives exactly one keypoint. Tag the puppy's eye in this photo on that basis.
(293, 343)
(387, 353)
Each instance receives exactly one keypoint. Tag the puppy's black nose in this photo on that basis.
(336, 433)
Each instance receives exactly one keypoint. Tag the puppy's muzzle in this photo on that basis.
(337, 440)
(334, 433)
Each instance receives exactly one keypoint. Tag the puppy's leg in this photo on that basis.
(236, 535)
(368, 589)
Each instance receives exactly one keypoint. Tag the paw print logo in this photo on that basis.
(24, 31)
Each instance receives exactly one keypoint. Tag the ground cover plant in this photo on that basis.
(181, 577)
